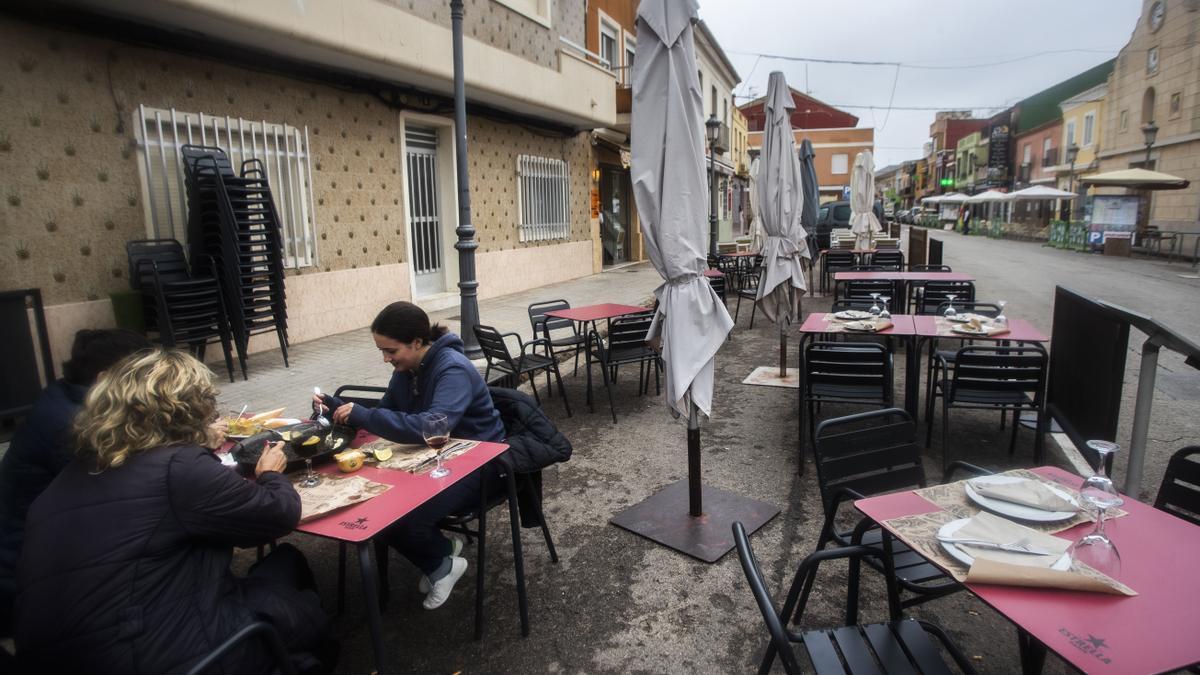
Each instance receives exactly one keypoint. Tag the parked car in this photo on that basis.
(836, 215)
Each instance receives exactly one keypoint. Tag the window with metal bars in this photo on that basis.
(282, 149)
(543, 192)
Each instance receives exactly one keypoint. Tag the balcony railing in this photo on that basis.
(1050, 158)
(1023, 173)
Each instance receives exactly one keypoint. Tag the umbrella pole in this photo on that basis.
(695, 501)
(783, 329)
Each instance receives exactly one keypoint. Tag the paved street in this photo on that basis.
(616, 603)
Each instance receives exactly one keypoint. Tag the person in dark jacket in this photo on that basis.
(125, 566)
(431, 374)
(42, 446)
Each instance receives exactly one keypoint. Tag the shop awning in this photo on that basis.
(1136, 178)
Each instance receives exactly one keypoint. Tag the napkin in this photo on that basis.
(1025, 492)
(989, 527)
(988, 571)
(872, 326)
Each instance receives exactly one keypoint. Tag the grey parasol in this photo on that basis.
(863, 221)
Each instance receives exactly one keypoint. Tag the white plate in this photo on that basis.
(966, 329)
(852, 315)
(1018, 511)
(967, 316)
(951, 528)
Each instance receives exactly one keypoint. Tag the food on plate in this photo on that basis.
(336, 442)
(270, 414)
(276, 422)
(241, 426)
(975, 324)
(350, 460)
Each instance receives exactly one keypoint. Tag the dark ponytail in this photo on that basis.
(404, 322)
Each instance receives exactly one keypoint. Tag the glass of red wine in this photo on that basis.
(307, 441)
(436, 430)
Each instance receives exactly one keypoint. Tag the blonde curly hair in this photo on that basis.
(149, 400)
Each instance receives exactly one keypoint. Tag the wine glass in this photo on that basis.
(884, 313)
(950, 312)
(874, 311)
(1095, 549)
(436, 431)
(307, 442)
(1000, 319)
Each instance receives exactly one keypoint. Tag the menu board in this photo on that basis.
(998, 147)
(1115, 213)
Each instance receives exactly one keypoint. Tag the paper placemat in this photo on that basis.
(945, 328)
(836, 325)
(417, 458)
(334, 492)
(953, 499)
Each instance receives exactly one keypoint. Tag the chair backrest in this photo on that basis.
(867, 268)
(546, 324)
(204, 156)
(713, 262)
(836, 258)
(718, 285)
(360, 394)
(259, 629)
(999, 370)
(630, 330)
(851, 303)
(889, 259)
(937, 292)
(859, 364)
(146, 255)
(981, 308)
(887, 242)
(26, 339)
(766, 606)
(1179, 494)
(843, 243)
(870, 453)
(929, 268)
(728, 264)
(865, 287)
(492, 344)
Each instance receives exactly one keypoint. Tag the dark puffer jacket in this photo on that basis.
(534, 444)
(127, 570)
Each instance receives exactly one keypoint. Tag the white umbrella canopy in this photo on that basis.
(758, 237)
(862, 196)
(1139, 178)
(667, 170)
(952, 198)
(1041, 192)
(782, 201)
(989, 196)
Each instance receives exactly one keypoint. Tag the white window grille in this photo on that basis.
(608, 45)
(1089, 128)
(543, 198)
(282, 149)
(839, 163)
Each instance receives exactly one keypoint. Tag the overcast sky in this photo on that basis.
(921, 33)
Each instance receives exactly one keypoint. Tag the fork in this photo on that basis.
(1018, 546)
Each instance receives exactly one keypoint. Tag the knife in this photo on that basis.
(1010, 548)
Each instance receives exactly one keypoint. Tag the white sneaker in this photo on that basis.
(456, 544)
(440, 591)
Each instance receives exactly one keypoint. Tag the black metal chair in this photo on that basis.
(718, 284)
(562, 334)
(939, 356)
(259, 629)
(915, 287)
(732, 269)
(26, 339)
(900, 646)
(892, 260)
(1179, 494)
(992, 378)
(934, 293)
(749, 290)
(857, 373)
(360, 394)
(867, 454)
(627, 344)
(495, 351)
(862, 289)
(835, 261)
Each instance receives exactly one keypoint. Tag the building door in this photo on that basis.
(615, 206)
(424, 211)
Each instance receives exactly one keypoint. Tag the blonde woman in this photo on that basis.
(125, 565)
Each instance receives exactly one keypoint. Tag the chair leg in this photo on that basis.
(945, 435)
(514, 518)
(341, 580)
(561, 389)
(481, 561)
(1039, 442)
(753, 309)
(533, 386)
(575, 373)
(738, 309)
(800, 441)
(608, 389)
(381, 570)
(1012, 441)
(541, 516)
(588, 367)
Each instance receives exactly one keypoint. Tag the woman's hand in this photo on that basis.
(216, 434)
(319, 403)
(271, 459)
(342, 414)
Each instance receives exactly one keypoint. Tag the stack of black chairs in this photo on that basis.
(232, 220)
(183, 305)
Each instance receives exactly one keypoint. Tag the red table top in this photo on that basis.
(902, 324)
(1151, 632)
(737, 254)
(903, 276)
(595, 312)
(1019, 330)
(713, 273)
(359, 522)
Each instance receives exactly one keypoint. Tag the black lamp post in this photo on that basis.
(713, 127)
(1150, 131)
(1072, 153)
(467, 284)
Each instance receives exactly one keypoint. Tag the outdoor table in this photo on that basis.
(713, 273)
(933, 328)
(590, 314)
(859, 255)
(1152, 632)
(358, 523)
(901, 279)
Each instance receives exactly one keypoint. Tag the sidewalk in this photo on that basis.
(351, 357)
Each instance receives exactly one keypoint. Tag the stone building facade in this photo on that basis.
(75, 166)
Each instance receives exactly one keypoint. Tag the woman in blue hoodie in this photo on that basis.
(431, 374)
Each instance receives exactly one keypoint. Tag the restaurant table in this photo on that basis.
(713, 273)
(930, 329)
(900, 279)
(358, 523)
(1151, 632)
(590, 314)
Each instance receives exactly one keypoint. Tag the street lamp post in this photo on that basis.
(468, 286)
(1150, 131)
(713, 127)
(1072, 153)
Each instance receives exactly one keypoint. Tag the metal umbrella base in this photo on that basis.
(664, 519)
(768, 376)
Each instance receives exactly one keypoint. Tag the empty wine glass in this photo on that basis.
(436, 431)
(1000, 319)
(874, 311)
(884, 313)
(950, 312)
(1095, 549)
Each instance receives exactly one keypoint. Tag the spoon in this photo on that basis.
(319, 418)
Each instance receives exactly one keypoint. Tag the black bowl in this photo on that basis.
(246, 452)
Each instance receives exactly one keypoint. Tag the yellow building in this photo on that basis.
(739, 154)
(1082, 118)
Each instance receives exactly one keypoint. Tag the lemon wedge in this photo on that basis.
(383, 454)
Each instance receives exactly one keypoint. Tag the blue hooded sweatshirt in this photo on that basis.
(446, 383)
